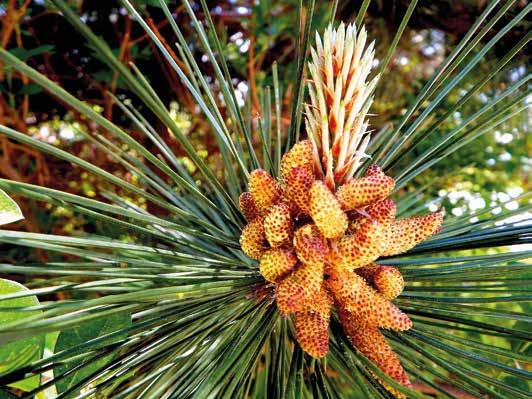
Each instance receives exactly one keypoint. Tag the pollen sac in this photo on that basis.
(276, 263)
(310, 245)
(296, 292)
(370, 341)
(373, 169)
(247, 206)
(312, 326)
(405, 234)
(326, 211)
(297, 184)
(356, 296)
(382, 212)
(357, 193)
(264, 189)
(253, 239)
(278, 225)
(388, 280)
(300, 155)
(361, 247)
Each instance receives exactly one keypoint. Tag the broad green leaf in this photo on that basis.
(16, 354)
(9, 210)
(84, 332)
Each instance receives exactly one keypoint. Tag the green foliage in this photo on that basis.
(9, 210)
(80, 368)
(19, 353)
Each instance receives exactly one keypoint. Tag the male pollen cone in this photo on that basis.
(326, 211)
(297, 291)
(276, 263)
(247, 206)
(253, 239)
(297, 185)
(388, 280)
(363, 246)
(357, 297)
(372, 343)
(310, 245)
(300, 155)
(264, 189)
(404, 234)
(357, 193)
(312, 325)
(382, 212)
(278, 225)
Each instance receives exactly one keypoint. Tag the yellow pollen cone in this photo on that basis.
(297, 186)
(383, 211)
(247, 206)
(387, 280)
(264, 189)
(312, 326)
(361, 247)
(355, 295)
(253, 239)
(278, 225)
(300, 155)
(296, 292)
(326, 211)
(371, 342)
(276, 263)
(405, 234)
(357, 193)
(310, 245)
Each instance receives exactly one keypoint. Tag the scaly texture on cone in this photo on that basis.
(297, 185)
(370, 341)
(264, 189)
(296, 292)
(326, 211)
(299, 156)
(382, 212)
(276, 263)
(248, 207)
(253, 239)
(388, 280)
(404, 234)
(361, 247)
(278, 225)
(310, 245)
(357, 297)
(312, 325)
(357, 193)
(373, 169)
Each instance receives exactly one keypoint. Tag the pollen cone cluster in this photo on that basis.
(319, 249)
(317, 231)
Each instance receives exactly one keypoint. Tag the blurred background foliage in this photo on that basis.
(490, 170)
